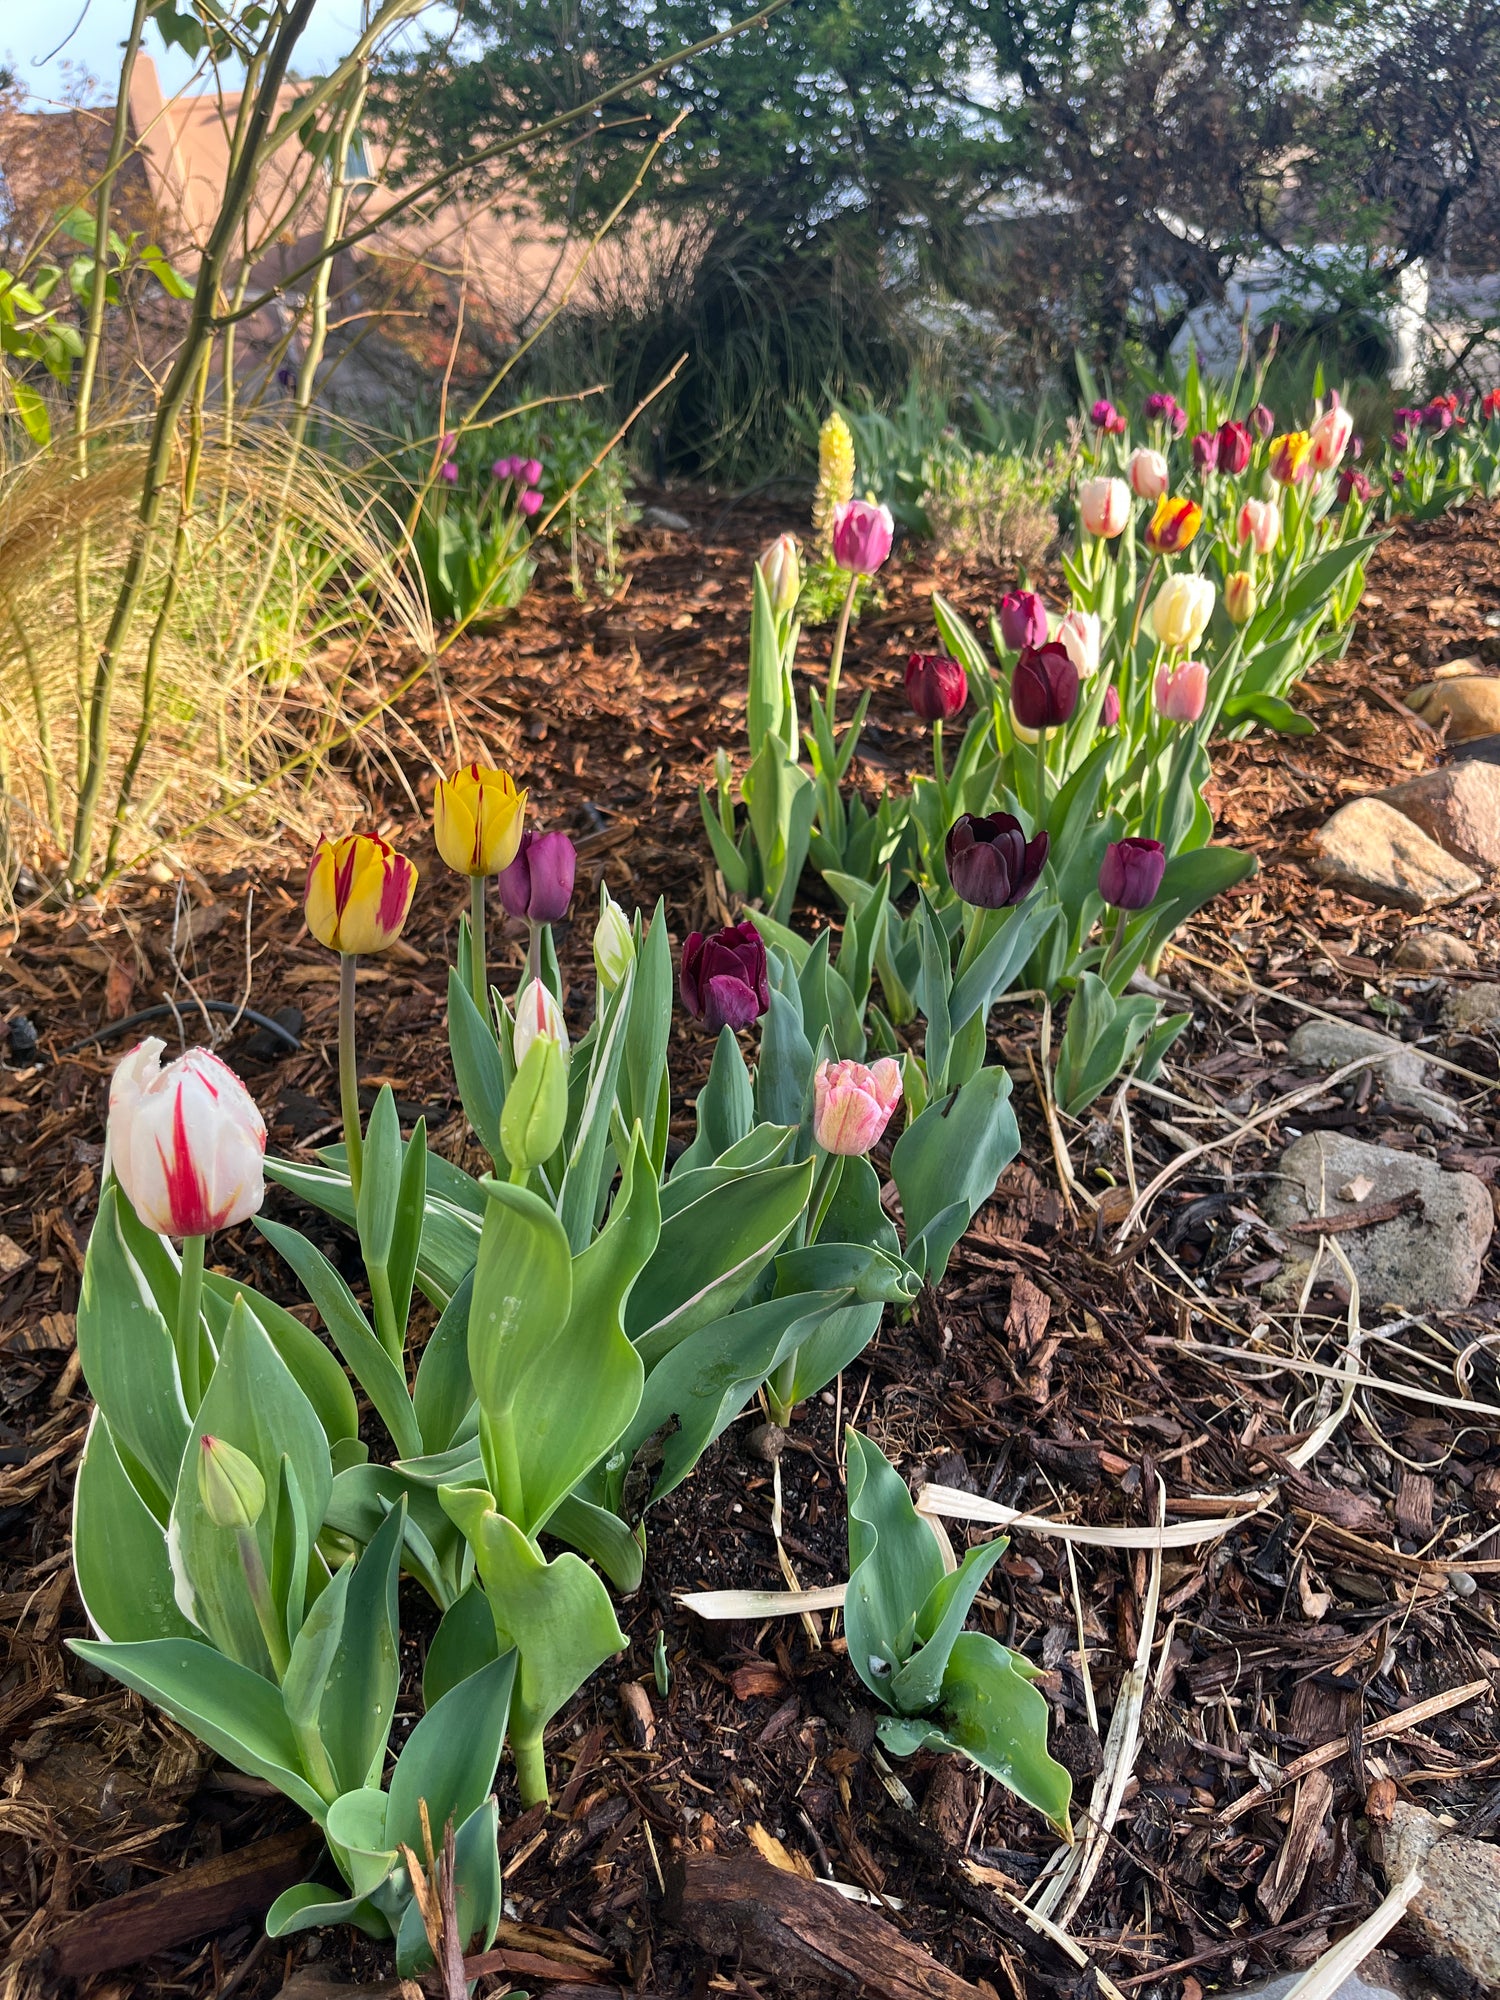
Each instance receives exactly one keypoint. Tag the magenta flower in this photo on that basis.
(1109, 712)
(1023, 620)
(1206, 451)
(1235, 447)
(448, 470)
(1262, 422)
(862, 536)
(529, 469)
(1105, 417)
(538, 884)
(504, 468)
(530, 502)
(1160, 408)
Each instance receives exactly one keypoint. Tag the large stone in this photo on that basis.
(1459, 808)
(1469, 703)
(1331, 1044)
(1426, 1260)
(1473, 1010)
(1434, 951)
(1375, 851)
(1457, 1910)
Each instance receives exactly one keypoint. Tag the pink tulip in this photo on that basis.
(1147, 473)
(530, 469)
(1330, 437)
(852, 1105)
(504, 468)
(1104, 506)
(186, 1142)
(449, 471)
(1109, 713)
(530, 503)
(1181, 692)
(862, 536)
(1260, 524)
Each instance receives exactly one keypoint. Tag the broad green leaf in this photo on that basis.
(464, 1642)
(523, 1293)
(1270, 710)
(313, 1651)
(894, 1566)
(601, 1536)
(120, 1559)
(317, 1372)
(477, 1068)
(310, 1906)
(380, 1186)
(444, 1392)
(356, 1833)
(946, 1164)
(359, 1701)
(450, 1757)
(915, 1688)
(580, 1199)
(995, 1716)
(725, 1109)
(783, 1078)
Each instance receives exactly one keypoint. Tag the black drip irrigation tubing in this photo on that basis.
(163, 1011)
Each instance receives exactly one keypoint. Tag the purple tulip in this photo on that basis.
(1131, 872)
(723, 980)
(862, 536)
(1105, 417)
(503, 468)
(530, 469)
(1044, 687)
(539, 883)
(449, 471)
(1023, 620)
(936, 687)
(991, 862)
(1236, 444)
(1262, 422)
(1206, 450)
(530, 502)
(1354, 485)
(1161, 408)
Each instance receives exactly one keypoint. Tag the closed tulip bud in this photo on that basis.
(1329, 438)
(1289, 457)
(1240, 600)
(1147, 473)
(539, 882)
(1109, 712)
(530, 503)
(936, 687)
(1173, 525)
(1078, 634)
(537, 1013)
(1023, 620)
(1104, 506)
(991, 863)
(1262, 422)
(1160, 408)
(476, 819)
(614, 944)
(358, 892)
(187, 1143)
(229, 1485)
(1181, 610)
(1491, 405)
(723, 979)
(1105, 417)
(780, 565)
(1044, 687)
(1236, 445)
(1260, 525)
(534, 1115)
(1354, 485)
(862, 536)
(1206, 451)
(852, 1104)
(1181, 691)
(1131, 873)
(504, 468)
(530, 470)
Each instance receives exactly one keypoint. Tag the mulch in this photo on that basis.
(1055, 1370)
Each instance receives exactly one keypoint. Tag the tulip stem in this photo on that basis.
(836, 658)
(1140, 605)
(531, 1767)
(258, 1584)
(354, 1143)
(1041, 780)
(189, 1327)
(938, 765)
(479, 971)
(534, 952)
(824, 1188)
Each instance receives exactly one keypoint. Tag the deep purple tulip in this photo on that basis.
(1236, 443)
(990, 860)
(936, 686)
(1105, 417)
(1023, 620)
(1131, 872)
(1206, 450)
(1044, 687)
(723, 977)
(1262, 422)
(539, 883)
(1160, 408)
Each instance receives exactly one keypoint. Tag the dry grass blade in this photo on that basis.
(717, 1605)
(959, 1506)
(1324, 1978)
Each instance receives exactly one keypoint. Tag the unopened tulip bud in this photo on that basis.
(229, 1485)
(1181, 691)
(1181, 610)
(936, 687)
(780, 566)
(1206, 451)
(1262, 422)
(1078, 634)
(535, 1113)
(1236, 447)
(1131, 872)
(1260, 525)
(1109, 712)
(614, 945)
(1105, 417)
(538, 884)
(477, 817)
(537, 1013)
(1240, 598)
(1104, 506)
(1044, 687)
(991, 863)
(1329, 438)
(1023, 620)
(1147, 473)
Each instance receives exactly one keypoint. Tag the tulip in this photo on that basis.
(1161, 408)
(1173, 525)
(936, 687)
(1104, 506)
(1441, 414)
(187, 1145)
(991, 863)
(476, 819)
(1109, 712)
(1078, 633)
(1353, 485)
(1105, 417)
(1491, 405)
(534, 1115)
(862, 536)
(529, 469)
(1044, 686)
(504, 468)
(448, 471)
(1289, 455)
(1181, 691)
(1329, 438)
(1260, 525)
(230, 1485)
(357, 893)
(1236, 445)
(1206, 451)
(1240, 599)
(1262, 422)
(723, 980)
(1147, 473)
(1131, 872)
(780, 566)
(538, 884)
(1181, 611)
(852, 1104)
(537, 1013)
(1023, 620)
(530, 503)
(614, 943)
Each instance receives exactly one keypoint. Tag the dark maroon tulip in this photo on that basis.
(1109, 713)
(936, 686)
(1023, 620)
(1262, 422)
(1044, 687)
(1353, 485)
(1236, 443)
(1131, 872)
(539, 883)
(990, 860)
(723, 978)
(1206, 450)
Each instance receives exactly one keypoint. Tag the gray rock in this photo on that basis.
(1428, 1259)
(1459, 808)
(1353, 1988)
(1379, 854)
(1473, 1010)
(663, 517)
(1434, 951)
(1457, 1911)
(1331, 1044)
(1468, 702)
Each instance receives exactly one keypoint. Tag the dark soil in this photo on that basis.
(1053, 1370)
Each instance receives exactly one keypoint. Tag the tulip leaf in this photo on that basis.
(995, 968)
(732, 863)
(356, 1832)
(449, 1759)
(380, 1185)
(365, 1496)
(523, 1293)
(478, 1068)
(450, 1222)
(725, 1110)
(646, 1037)
(580, 1201)
(311, 1906)
(364, 1678)
(946, 1164)
(762, 1146)
(602, 1536)
(406, 1241)
(997, 1718)
(1270, 710)
(444, 1391)
(917, 1686)
(1101, 1037)
(464, 1642)
(783, 1078)
(120, 1559)
(831, 1345)
(316, 1371)
(1190, 881)
(476, 1876)
(314, 1650)
(894, 1566)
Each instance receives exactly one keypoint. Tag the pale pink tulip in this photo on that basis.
(537, 1013)
(187, 1143)
(1260, 524)
(1181, 691)
(1147, 473)
(1330, 437)
(1078, 635)
(852, 1104)
(1104, 506)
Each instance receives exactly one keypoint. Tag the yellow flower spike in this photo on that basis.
(835, 486)
(477, 817)
(358, 892)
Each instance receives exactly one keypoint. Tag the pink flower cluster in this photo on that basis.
(527, 472)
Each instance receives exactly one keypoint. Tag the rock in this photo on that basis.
(1468, 702)
(1427, 1259)
(1375, 851)
(1473, 1010)
(1355, 1987)
(1331, 1044)
(1485, 748)
(663, 517)
(1459, 808)
(1457, 1911)
(1434, 951)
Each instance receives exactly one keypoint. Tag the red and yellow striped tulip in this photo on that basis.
(358, 892)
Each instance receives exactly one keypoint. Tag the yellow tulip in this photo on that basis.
(476, 818)
(1181, 610)
(1239, 597)
(358, 892)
